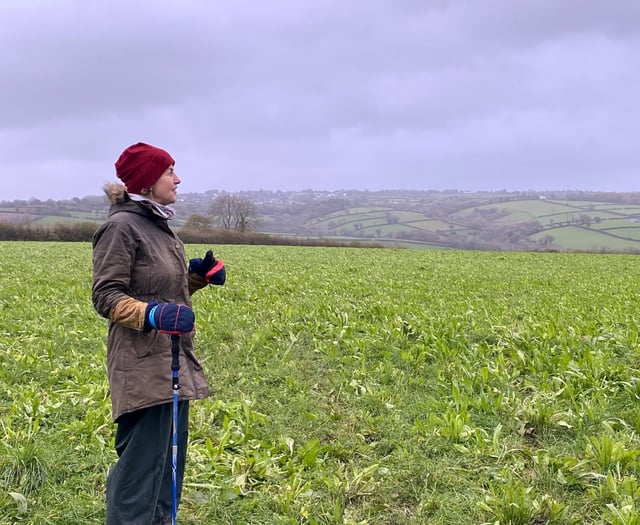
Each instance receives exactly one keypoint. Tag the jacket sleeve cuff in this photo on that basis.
(196, 282)
(129, 312)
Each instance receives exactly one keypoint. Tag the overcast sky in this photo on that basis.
(322, 94)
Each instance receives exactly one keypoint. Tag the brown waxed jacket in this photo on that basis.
(137, 259)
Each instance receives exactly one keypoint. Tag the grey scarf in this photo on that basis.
(166, 212)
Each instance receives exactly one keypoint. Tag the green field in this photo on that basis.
(350, 386)
(574, 238)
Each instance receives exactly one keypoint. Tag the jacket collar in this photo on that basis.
(121, 201)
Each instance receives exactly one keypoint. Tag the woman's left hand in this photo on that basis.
(209, 268)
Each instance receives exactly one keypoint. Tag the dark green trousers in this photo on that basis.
(139, 485)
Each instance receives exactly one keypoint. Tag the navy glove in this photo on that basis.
(170, 318)
(210, 268)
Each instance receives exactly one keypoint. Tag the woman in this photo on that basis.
(141, 284)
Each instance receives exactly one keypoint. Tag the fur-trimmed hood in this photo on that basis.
(117, 195)
(116, 192)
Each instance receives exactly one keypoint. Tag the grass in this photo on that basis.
(350, 386)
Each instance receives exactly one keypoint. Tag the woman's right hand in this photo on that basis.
(170, 318)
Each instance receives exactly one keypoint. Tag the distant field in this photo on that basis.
(537, 208)
(565, 217)
(15, 217)
(88, 216)
(632, 232)
(541, 210)
(50, 220)
(614, 223)
(431, 225)
(626, 209)
(573, 238)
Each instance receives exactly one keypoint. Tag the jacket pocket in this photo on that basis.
(150, 343)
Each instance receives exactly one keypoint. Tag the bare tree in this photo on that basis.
(234, 213)
(222, 211)
(245, 215)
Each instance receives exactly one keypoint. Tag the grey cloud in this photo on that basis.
(326, 93)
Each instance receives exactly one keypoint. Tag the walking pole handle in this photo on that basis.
(175, 359)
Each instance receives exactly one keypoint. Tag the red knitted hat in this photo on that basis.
(141, 165)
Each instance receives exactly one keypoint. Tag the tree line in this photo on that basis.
(231, 220)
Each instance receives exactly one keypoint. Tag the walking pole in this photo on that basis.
(175, 367)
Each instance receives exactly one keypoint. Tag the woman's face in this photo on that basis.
(164, 190)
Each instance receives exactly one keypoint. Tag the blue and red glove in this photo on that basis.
(209, 268)
(170, 318)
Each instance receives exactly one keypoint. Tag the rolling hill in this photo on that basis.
(419, 219)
